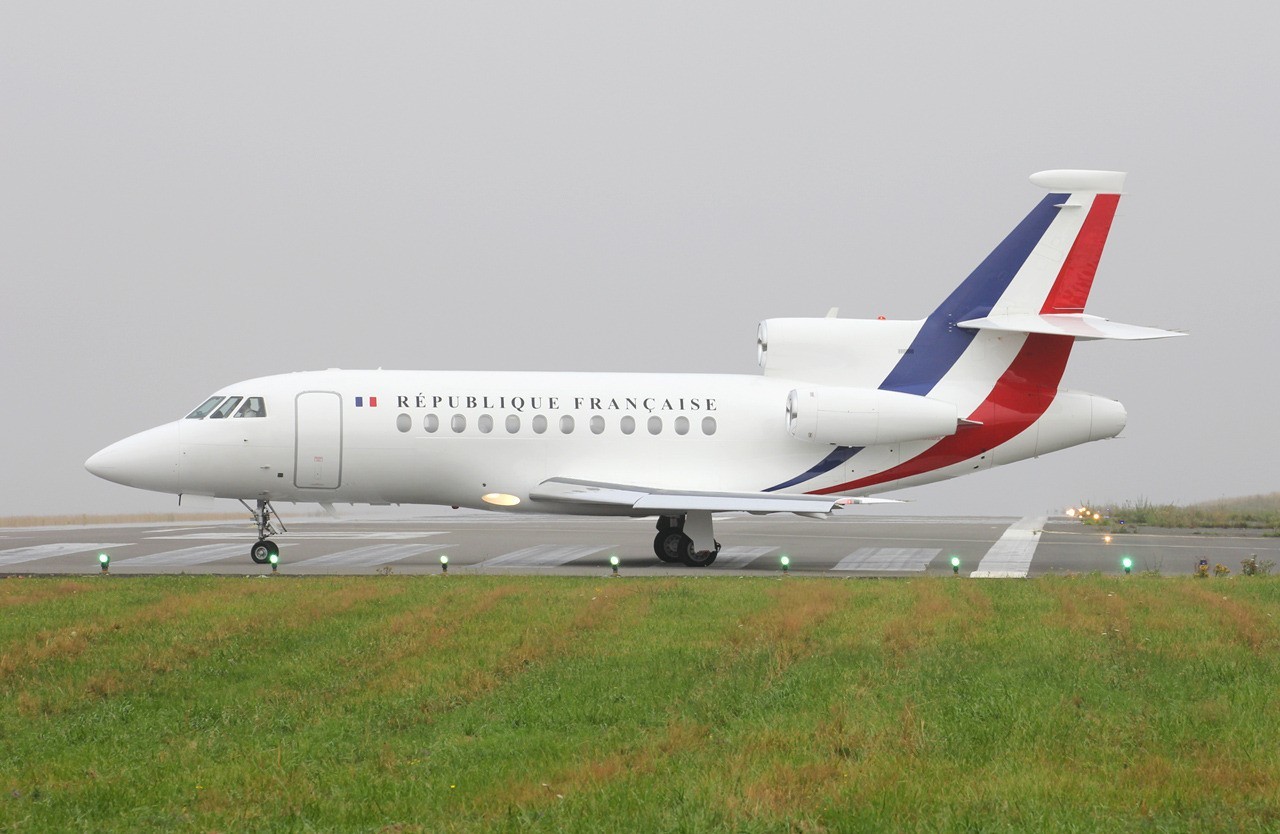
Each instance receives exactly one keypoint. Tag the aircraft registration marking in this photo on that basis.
(45, 551)
(888, 559)
(542, 556)
(1010, 557)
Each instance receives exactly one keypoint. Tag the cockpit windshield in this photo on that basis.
(226, 408)
(253, 407)
(205, 407)
(219, 407)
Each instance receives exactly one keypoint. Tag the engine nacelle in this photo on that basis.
(866, 416)
(837, 352)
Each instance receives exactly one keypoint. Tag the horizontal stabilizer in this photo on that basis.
(1077, 325)
(655, 501)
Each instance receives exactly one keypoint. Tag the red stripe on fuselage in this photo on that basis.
(1020, 397)
(1071, 288)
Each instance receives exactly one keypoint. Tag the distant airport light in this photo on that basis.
(105, 561)
(786, 562)
(1106, 539)
(274, 559)
(444, 563)
(1127, 563)
(1097, 516)
(613, 563)
(1071, 512)
(955, 565)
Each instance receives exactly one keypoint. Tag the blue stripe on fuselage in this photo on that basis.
(939, 344)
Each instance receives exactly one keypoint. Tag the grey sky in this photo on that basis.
(196, 193)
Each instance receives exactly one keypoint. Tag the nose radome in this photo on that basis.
(147, 460)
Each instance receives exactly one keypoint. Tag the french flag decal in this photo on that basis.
(360, 402)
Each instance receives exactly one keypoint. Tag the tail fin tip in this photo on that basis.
(1067, 180)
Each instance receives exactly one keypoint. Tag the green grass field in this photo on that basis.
(405, 704)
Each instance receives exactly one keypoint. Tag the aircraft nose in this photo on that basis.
(1109, 418)
(147, 460)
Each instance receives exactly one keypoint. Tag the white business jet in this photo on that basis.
(844, 408)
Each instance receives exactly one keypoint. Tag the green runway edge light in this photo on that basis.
(613, 563)
(786, 562)
(1127, 564)
(955, 565)
(274, 559)
(444, 563)
(105, 561)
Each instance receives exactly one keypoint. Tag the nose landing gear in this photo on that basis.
(263, 516)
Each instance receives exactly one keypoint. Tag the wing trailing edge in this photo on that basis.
(666, 501)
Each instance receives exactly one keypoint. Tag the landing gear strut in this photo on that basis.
(672, 544)
(266, 519)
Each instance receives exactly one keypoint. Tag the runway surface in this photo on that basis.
(865, 546)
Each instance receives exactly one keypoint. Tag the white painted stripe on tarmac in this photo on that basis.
(888, 559)
(365, 557)
(542, 556)
(736, 557)
(186, 557)
(1010, 557)
(45, 551)
(335, 534)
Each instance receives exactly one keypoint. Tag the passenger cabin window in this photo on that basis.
(226, 408)
(458, 423)
(708, 426)
(431, 423)
(566, 424)
(655, 425)
(628, 424)
(205, 407)
(253, 407)
(485, 423)
(513, 424)
(682, 425)
(597, 424)
(539, 424)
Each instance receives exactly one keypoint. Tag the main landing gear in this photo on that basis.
(686, 539)
(263, 516)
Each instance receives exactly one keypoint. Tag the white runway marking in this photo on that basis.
(1010, 557)
(542, 556)
(736, 557)
(247, 536)
(44, 551)
(365, 557)
(186, 557)
(888, 559)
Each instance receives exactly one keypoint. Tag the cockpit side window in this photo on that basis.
(205, 407)
(253, 407)
(226, 408)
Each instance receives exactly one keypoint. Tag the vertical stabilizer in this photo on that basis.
(1046, 263)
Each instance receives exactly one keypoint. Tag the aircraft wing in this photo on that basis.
(647, 500)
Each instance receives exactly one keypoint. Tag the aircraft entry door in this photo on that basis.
(318, 459)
